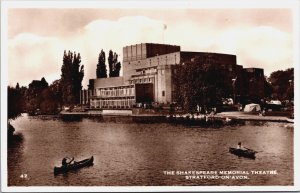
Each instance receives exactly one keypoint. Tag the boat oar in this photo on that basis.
(252, 150)
(258, 151)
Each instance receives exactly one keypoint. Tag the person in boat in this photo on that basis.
(64, 162)
(239, 146)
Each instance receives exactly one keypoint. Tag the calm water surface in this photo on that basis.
(127, 153)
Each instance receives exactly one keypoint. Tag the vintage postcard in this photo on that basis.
(149, 96)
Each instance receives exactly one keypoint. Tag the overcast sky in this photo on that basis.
(38, 37)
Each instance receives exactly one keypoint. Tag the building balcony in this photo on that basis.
(112, 97)
(146, 74)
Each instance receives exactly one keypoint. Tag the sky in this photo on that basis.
(38, 37)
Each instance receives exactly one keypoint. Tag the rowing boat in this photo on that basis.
(74, 166)
(248, 153)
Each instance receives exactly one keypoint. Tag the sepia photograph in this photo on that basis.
(149, 96)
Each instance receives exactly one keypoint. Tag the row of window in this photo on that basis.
(142, 80)
(151, 59)
(112, 103)
(147, 71)
(115, 92)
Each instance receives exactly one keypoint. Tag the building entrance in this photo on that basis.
(144, 93)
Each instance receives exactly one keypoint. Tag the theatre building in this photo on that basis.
(148, 76)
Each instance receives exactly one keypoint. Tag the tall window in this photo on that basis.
(163, 93)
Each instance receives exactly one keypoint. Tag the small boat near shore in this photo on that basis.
(74, 166)
(290, 120)
(248, 153)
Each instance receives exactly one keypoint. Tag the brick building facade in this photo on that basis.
(148, 71)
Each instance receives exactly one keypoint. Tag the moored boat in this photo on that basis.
(74, 166)
(248, 153)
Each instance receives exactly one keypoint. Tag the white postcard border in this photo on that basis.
(193, 4)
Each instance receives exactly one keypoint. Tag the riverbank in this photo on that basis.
(251, 117)
(226, 116)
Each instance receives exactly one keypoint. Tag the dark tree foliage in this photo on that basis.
(55, 88)
(33, 95)
(201, 83)
(282, 84)
(51, 96)
(14, 102)
(43, 99)
(256, 89)
(71, 78)
(268, 88)
(15, 106)
(101, 66)
(116, 66)
(111, 63)
(48, 105)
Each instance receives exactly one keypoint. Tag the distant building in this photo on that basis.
(148, 76)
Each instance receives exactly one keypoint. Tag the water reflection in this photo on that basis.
(15, 159)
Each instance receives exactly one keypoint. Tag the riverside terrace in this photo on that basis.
(141, 115)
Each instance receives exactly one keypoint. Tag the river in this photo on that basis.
(135, 154)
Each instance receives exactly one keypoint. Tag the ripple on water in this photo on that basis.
(128, 153)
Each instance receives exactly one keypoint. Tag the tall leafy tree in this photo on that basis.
(14, 102)
(282, 82)
(51, 98)
(72, 73)
(15, 106)
(267, 88)
(111, 63)
(55, 88)
(114, 64)
(198, 85)
(101, 71)
(33, 95)
(117, 66)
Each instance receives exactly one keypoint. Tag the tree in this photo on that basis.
(198, 85)
(101, 71)
(114, 64)
(42, 98)
(111, 63)
(268, 88)
(282, 84)
(55, 88)
(33, 95)
(15, 100)
(71, 78)
(117, 66)
(49, 105)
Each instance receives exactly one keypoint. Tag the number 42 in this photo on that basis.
(23, 176)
